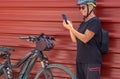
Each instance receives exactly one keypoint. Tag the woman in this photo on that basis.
(87, 37)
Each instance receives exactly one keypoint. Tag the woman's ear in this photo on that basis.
(91, 7)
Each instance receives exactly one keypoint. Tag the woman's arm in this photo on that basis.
(87, 36)
(69, 25)
(73, 38)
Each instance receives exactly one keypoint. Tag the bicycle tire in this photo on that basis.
(44, 74)
(56, 66)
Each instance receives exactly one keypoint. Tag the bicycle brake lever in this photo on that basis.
(41, 35)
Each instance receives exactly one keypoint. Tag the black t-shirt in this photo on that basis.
(89, 52)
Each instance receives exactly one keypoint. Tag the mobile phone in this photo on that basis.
(65, 18)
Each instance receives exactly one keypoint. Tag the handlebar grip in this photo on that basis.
(25, 37)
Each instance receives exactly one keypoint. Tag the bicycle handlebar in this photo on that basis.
(30, 38)
(35, 39)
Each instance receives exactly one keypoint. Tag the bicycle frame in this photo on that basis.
(28, 63)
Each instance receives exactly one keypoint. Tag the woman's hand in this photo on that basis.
(68, 26)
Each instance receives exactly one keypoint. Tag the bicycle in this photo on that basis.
(6, 68)
(47, 70)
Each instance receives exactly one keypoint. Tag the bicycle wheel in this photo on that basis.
(57, 71)
(44, 74)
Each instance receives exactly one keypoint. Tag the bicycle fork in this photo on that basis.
(44, 63)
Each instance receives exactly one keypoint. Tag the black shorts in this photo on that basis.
(88, 71)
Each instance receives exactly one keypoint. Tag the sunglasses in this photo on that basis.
(81, 7)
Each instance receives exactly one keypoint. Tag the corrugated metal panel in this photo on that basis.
(108, 11)
(28, 17)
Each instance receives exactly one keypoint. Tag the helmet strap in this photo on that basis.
(88, 13)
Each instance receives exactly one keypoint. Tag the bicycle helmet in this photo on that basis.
(89, 2)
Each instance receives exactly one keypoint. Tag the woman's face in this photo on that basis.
(83, 9)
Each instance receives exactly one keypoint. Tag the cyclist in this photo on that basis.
(87, 37)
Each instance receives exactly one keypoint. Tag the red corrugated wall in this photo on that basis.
(32, 17)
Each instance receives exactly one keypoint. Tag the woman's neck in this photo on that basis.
(89, 17)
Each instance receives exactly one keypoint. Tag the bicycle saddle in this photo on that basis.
(6, 49)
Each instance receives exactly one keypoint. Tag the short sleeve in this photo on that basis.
(94, 25)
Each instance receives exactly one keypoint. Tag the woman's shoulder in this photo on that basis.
(94, 19)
